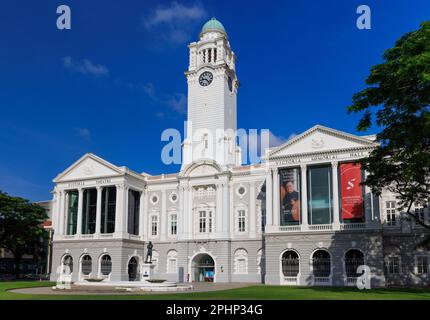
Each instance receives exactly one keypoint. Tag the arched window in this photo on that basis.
(353, 259)
(133, 269)
(105, 265)
(172, 261)
(290, 263)
(68, 262)
(86, 265)
(241, 261)
(321, 264)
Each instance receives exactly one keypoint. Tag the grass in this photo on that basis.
(248, 293)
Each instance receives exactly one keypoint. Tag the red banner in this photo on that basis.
(351, 191)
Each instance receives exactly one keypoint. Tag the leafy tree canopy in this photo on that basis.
(21, 229)
(397, 100)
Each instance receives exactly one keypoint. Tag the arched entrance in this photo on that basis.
(203, 268)
(132, 269)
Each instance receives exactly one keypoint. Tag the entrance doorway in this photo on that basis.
(203, 268)
(132, 269)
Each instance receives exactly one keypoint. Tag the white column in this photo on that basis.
(163, 216)
(252, 212)
(56, 212)
(304, 201)
(59, 228)
(119, 211)
(142, 210)
(276, 197)
(80, 208)
(99, 211)
(269, 200)
(181, 213)
(335, 186)
(226, 209)
(190, 212)
(219, 209)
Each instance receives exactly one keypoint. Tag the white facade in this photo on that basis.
(217, 220)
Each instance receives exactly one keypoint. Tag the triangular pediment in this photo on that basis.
(89, 166)
(321, 139)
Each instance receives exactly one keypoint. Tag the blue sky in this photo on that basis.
(114, 82)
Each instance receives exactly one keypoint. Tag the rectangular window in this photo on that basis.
(133, 212)
(173, 224)
(202, 221)
(422, 264)
(171, 266)
(210, 221)
(419, 213)
(290, 196)
(390, 213)
(154, 225)
(242, 221)
(108, 210)
(89, 211)
(72, 212)
(241, 266)
(320, 195)
(393, 265)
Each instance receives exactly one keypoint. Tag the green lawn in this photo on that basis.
(248, 293)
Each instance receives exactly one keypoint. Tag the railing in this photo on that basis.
(320, 227)
(351, 281)
(290, 228)
(325, 227)
(290, 281)
(322, 281)
(352, 226)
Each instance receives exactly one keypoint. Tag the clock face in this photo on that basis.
(206, 78)
(230, 84)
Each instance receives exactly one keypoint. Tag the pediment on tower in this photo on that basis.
(201, 168)
(321, 139)
(89, 166)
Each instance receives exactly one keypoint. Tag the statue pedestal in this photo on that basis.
(147, 271)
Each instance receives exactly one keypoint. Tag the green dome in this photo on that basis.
(213, 24)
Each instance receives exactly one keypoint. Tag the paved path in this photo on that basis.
(198, 287)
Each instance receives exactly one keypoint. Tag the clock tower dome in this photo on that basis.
(212, 95)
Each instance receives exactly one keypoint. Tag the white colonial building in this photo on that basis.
(299, 218)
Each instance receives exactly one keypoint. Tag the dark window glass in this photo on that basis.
(108, 210)
(87, 265)
(353, 259)
(319, 195)
(106, 265)
(321, 263)
(290, 264)
(133, 212)
(72, 212)
(89, 211)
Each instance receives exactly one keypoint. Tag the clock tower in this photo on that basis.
(212, 95)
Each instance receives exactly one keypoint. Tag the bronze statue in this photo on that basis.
(149, 253)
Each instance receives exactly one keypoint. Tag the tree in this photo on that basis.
(397, 100)
(21, 230)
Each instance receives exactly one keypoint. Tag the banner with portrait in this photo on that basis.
(351, 191)
(290, 196)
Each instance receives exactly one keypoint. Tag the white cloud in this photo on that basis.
(83, 133)
(177, 102)
(85, 67)
(174, 23)
(176, 12)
